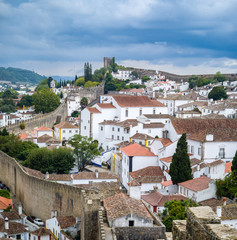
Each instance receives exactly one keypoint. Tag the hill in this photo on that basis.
(19, 75)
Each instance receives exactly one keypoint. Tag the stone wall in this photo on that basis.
(140, 233)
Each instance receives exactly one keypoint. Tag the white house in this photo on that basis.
(136, 157)
(41, 234)
(65, 131)
(63, 223)
(143, 181)
(198, 189)
(42, 131)
(122, 74)
(155, 201)
(117, 107)
(124, 211)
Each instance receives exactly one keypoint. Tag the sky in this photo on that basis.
(56, 37)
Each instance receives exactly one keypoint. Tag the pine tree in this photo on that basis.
(234, 163)
(180, 168)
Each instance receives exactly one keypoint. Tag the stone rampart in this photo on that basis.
(39, 197)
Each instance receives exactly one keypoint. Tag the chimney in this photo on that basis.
(20, 209)
(155, 189)
(224, 201)
(198, 167)
(96, 173)
(46, 175)
(6, 223)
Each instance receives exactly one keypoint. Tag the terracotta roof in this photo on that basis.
(158, 199)
(136, 101)
(43, 129)
(23, 136)
(167, 183)
(147, 175)
(195, 161)
(126, 124)
(47, 139)
(229, 212)
(154, 125)
(60, 177)
(93, 110)
(157, 116)
(121, 205)
(142, 136)
(197, 184)
(92, 175)
(215, 163)
(5, 203)
(123, 144)
(136, 149)
(189, 96)
(228, 167)
(167, 159)
(41, 232)
(196, 129)
(106, 105)
(14, 227)
(65, 125)
(34, 173)
(66, 221)
(165, 141)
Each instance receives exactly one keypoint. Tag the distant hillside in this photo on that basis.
(19, 75)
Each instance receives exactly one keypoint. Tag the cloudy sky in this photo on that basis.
(56, 37)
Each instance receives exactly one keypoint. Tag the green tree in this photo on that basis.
(9, 93)
(80, 81)
(180, 169)
(145, 79)
(83, 102)
(177, 210)
(217, 93)
(227, 187)
(219, 77)
(87, 72)
(26, 101)
(45, 101)
(43, 84)
(5, 193)
(22, 126)
(53, 161)
(234, 163)
(91, 84)
(85, 149)
(134, 74)
(75, 114)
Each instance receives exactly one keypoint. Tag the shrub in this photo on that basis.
(22, 126)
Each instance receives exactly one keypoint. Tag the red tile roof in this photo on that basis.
(14, 227)
(167, 159)
(93, 110)
(228, 167)
(121, 205)
(137, 150)
(136, 101)
(197, 184)
(196, 129)
(43, 128)
(5, 203)
(66, 221)
(167, 183)
(41, 232)
(157, 199)
(92, 175)
(65, 125)
(142, 136)
(106, 105)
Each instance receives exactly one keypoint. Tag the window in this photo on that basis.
(192, 149)
(222, 153)
(76, 131)
(126, 113)
(149, 131)
(70, 131)
(199, 151)
(101, 128)
(112, 136)
(118, 129)
(130, 223)
(117, 137)
(64, 131)
(140, 112)
(63, 138)
(122, 138)
(112, 128)
(154, 111)
(85, 127)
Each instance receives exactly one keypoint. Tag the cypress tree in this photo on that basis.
(234, 163)
(180, 168)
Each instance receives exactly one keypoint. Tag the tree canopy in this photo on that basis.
(45, 101)
(234, 163)
(219, 77)
(177, 210)
(227, 187)
(87, 72)
(217, 93)
(59, 160)
(85, 149)
(83, 102)
(26, 101)
(180, 169)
